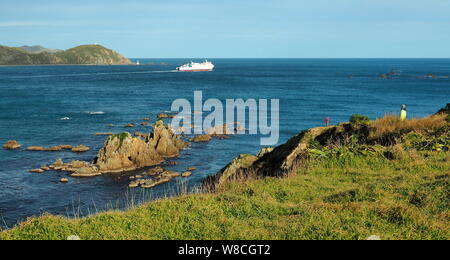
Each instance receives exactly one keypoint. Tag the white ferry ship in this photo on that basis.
(194, 66)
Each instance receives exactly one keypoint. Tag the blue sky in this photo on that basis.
(235, 28)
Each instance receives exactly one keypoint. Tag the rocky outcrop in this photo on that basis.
(77, 149)
(273, 162)
(11, 145)
(186, 174)
(201, 138)
(80, 149)
(157, 177)
(84, 54)
(445, 110)
(124, 152)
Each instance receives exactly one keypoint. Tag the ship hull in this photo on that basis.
(195, 70)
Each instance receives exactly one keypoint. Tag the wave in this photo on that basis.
(95, 112)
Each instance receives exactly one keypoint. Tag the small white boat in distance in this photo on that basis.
(194, 66)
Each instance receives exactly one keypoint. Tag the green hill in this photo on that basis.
(84, 54)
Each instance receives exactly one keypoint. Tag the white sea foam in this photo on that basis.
(65, 118)
(95, 112)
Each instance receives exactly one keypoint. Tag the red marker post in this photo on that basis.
(327, 121)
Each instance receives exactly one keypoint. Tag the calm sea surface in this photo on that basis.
(34, 99)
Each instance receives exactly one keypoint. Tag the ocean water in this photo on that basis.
(34, 99)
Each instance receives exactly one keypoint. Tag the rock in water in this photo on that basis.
(37, 170)
(80, 149)
(124, 152)
(162, 115)
(35, 148)
(201, 138)
(11, 145)
(186, 174)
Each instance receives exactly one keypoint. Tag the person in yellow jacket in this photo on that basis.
(403, 113)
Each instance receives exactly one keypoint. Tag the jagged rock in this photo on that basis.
(191, 169)
(123, 152)
(64, 180)
(11, 145)
(130, 125)
(201, 138)
(146, 119)
(80, 149)
(144, 123)
(186, 174)
(45, 168)
(143, 135)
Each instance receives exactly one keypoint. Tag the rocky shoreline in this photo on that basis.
(126, 152)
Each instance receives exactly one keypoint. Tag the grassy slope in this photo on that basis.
(332, 198)
(349, 190)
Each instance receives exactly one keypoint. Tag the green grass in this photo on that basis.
(330, 198)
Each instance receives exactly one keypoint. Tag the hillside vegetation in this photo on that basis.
(81, 55)
(37, 49)
(382, 178)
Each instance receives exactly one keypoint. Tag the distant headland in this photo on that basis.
(80, 55)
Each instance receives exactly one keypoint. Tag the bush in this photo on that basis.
(359, 119)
